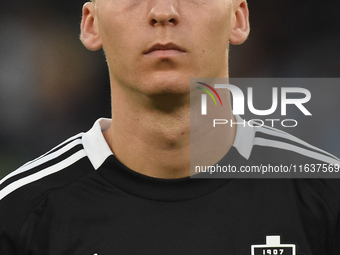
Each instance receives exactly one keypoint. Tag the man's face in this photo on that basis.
(156, 46)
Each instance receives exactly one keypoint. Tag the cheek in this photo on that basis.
(213, 35)
(220, 27)
(118, 44)
(116, 30)
(212, 22)
(110, 33)
(212, 41)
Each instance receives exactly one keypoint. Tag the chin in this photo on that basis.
(167, 83)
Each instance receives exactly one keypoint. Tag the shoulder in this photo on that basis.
(79, 154)
(277, 154)
(270, 145)
(25, 189)
(22, 190)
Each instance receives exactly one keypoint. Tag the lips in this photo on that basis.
(171, 47)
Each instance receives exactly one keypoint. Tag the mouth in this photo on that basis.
(165, 50)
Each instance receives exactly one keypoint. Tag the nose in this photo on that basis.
(163, 13)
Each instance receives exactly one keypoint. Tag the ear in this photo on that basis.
(89, 31)
(240, 22)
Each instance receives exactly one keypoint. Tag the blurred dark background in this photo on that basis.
(51, 87)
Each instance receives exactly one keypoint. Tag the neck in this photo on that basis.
(151, 135)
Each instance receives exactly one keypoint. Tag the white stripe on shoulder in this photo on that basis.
(43, 173)
(289, 147)
(244, 138)
(43, 159)
(58, 146)
(282, 134)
